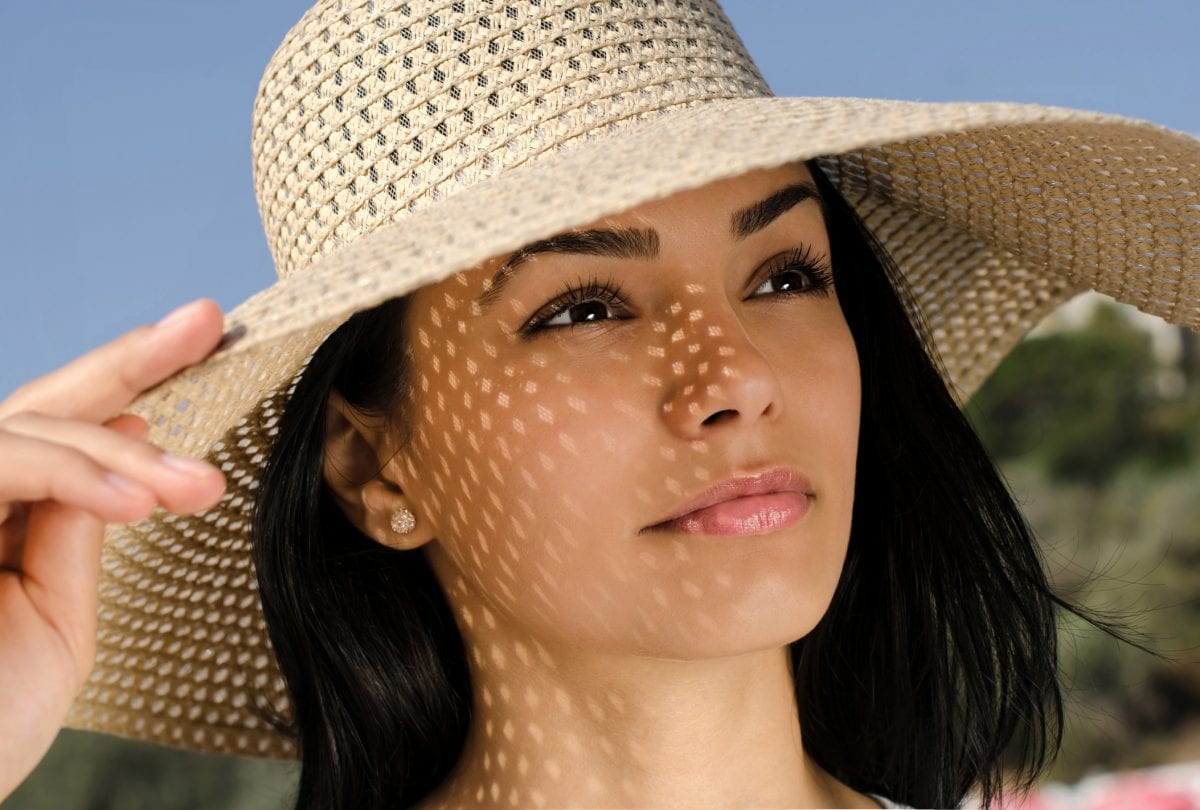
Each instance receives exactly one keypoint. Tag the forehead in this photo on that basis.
(716, 200)
(735, 205)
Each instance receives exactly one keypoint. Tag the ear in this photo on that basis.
(359, 471)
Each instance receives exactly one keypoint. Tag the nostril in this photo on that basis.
(716, 417)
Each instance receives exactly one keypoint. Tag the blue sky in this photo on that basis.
(125, 127)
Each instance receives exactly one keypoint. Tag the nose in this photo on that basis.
(712, 371)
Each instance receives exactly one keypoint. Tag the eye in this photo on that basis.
(814, 278)
(802, 275)
(587, 302)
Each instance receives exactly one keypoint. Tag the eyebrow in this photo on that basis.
(633, 243)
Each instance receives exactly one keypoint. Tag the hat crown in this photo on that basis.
(369, 110)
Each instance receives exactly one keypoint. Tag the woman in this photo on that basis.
(534, 301)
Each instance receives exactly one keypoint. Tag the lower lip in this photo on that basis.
(752, 514)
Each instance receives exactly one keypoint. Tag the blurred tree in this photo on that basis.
(1101, 448)
(1085, 402)
(88, 771)
(1189, 361)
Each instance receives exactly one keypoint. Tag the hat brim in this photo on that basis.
(995, 212)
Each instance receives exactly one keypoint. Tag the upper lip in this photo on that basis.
(776, 479)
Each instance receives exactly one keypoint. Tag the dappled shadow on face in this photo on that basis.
(613, 659)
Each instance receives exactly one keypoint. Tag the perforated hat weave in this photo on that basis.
(397, 143)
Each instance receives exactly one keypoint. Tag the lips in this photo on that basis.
(776, 479)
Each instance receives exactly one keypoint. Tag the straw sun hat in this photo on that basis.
(397, 143)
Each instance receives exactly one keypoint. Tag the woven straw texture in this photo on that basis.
(398, 143)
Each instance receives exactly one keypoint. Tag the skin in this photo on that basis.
(60, 435)
(612, 666)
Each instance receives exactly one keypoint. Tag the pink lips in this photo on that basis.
(743, 505)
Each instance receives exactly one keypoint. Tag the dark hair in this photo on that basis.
(375, 666)
(936, 657)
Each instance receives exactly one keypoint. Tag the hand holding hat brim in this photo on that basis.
(69, 463)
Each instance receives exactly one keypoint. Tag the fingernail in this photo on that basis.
(175, 316)
(191, 466)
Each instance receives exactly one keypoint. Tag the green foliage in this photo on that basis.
(88, 771)
(1101, 448)
(1085, 403)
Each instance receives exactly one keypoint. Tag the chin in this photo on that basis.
(719, 629)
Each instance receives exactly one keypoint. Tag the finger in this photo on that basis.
(130, 425)
(180, 485)
(61, 569)
(97, 385)
(38, 470)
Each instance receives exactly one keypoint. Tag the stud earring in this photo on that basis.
(403, 521)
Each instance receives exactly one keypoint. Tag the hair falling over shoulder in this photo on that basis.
(933, 673)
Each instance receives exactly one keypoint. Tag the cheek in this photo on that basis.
(830, 396)
(543, 477)
(529, 491)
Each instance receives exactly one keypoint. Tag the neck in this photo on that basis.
(557, 726)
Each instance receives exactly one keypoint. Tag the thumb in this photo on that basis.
(129, 424)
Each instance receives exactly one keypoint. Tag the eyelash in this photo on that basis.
(609, 292)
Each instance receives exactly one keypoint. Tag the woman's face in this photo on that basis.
(549, 436)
